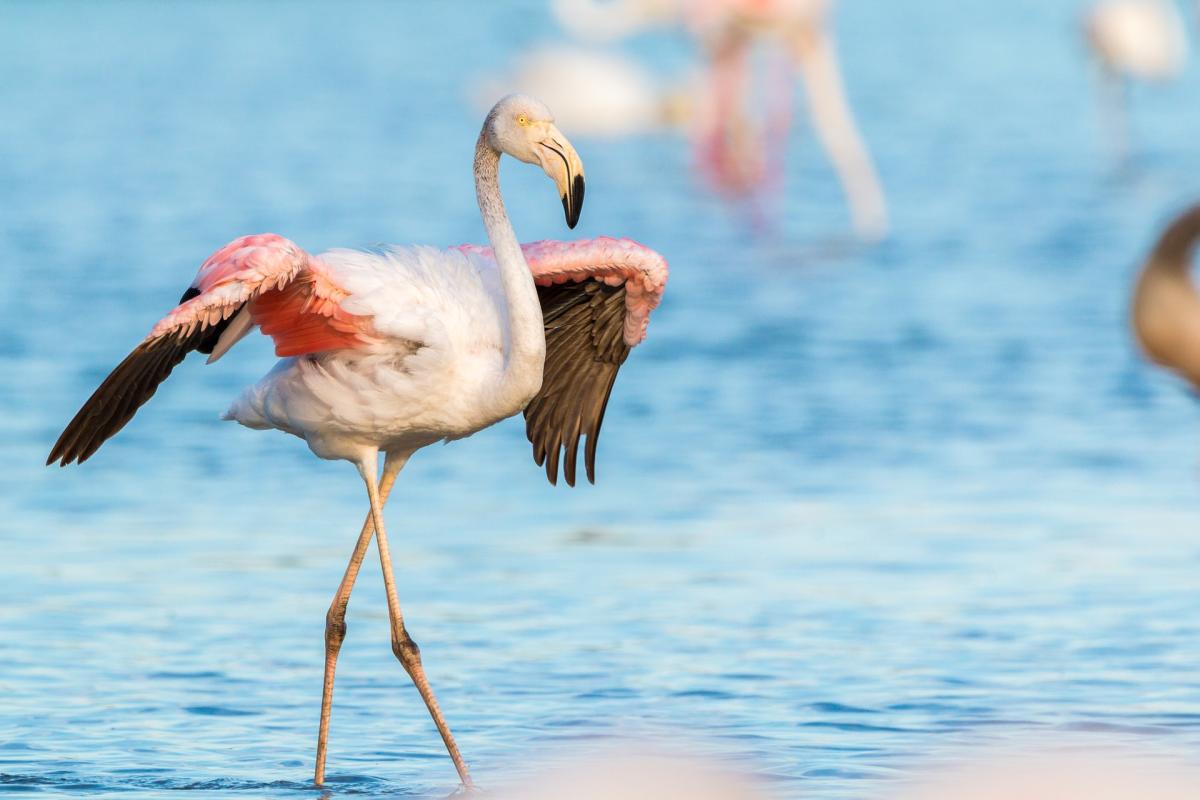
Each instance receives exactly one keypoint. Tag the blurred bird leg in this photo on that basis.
(1114, 112)
(1143, 39)
(727, 148)
(1132, 40)
(777, 126)
(834, 126)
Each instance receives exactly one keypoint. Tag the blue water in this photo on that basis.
(857, 508)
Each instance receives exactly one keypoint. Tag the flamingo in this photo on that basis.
(733, 149)
(396, 350)
(1166, 303)
(1133, 40)
(743, 118)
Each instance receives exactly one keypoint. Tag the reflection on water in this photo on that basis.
(856, 506)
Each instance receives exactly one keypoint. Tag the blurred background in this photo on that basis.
(858, 502)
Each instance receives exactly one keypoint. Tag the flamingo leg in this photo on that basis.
(403, 646)
(1114, 106)
(834, 125)
(335, 618)
(725, 148)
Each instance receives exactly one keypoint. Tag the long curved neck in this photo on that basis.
(1166, 303)
(526, 335)
(1173, 252)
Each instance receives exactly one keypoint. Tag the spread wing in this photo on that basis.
(596, 298)
(584, 350)
(265, 280)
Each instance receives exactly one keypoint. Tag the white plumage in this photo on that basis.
(441, 320)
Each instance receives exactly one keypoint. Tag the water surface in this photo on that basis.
(858, 507)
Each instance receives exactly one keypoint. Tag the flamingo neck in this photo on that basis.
(1173, 252)
(526, 355)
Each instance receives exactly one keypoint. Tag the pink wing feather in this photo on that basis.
(292, 297)
(286, 291)
(235, 274)
(614, 262)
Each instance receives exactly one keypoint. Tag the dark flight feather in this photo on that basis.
(129, 386)
(585, 346)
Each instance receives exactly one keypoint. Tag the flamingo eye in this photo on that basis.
(522, 120)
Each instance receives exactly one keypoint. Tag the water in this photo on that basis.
(858, 507)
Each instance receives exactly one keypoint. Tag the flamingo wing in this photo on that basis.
(262, 280)
(596, 298)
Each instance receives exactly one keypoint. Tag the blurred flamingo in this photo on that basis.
(397, 350)
(1133, 40)
(1166, 303)
(593, 91)
(741, 120)
(743, 155)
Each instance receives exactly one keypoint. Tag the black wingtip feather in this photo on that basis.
(123, 392)
(585, 348)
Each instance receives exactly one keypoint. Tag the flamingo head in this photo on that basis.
(524, 128)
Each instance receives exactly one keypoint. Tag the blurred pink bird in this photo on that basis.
(1133, 40)
(397, 350)
(742, 116)
(744, 156)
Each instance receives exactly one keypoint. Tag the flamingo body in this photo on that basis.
(390, 350)
(431, 330)
(387, 350)
(430, 356)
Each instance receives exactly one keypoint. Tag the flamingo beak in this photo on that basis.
(561, 162)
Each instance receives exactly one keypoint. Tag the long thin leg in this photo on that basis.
(1114, 106)
(402, 644)
(834, 125)
(335, 618)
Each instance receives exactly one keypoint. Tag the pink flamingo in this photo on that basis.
(732, 148)
(397, 350)
(739, 138)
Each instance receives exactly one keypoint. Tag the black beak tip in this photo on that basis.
(567, 211)
(573, 204)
